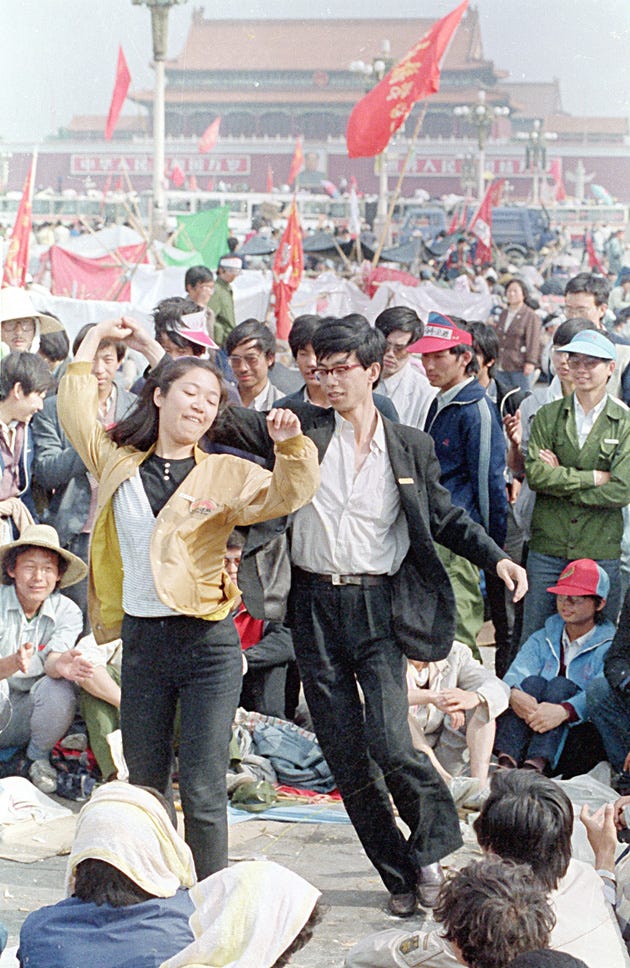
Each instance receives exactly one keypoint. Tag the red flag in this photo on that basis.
(16, 262)
(481, 223)
(192, 183)
(386, 107)
(105, 277)
(288, 266)
(210, 136)
(177, 176)
(555, 170)
(121, 86)
(593, 258)
(298, 162)
(269, 185)
(454, 222)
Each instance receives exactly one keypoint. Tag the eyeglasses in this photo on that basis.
(588, 362)
(398, 349)
(13, 325)
(250, 361)
(339, 372)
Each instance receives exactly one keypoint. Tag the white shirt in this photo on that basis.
(355, 524)
(411, 393)
(266, 399)
(584, 421)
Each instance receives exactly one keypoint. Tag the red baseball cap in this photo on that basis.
(440, 333)
(582, 577)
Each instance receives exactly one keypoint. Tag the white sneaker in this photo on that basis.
(43, 775)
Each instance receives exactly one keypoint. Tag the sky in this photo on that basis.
(58, 57)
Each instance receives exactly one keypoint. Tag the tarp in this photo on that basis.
(426, 297)
(107, 277)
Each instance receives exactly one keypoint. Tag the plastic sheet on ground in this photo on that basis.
(294, 813)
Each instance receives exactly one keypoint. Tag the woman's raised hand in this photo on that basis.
(283, 424)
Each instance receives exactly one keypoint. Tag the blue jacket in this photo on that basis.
(470, 447)
(540, 656)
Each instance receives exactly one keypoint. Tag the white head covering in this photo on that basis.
(129, 828)
(246, 916)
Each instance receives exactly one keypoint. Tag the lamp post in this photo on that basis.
(373, 73)
(481, 116)
(536, 154)
(159, 29)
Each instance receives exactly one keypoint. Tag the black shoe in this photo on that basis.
(430, 880)
(402, 905)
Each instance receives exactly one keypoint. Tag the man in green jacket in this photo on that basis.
(578, 464)
(222, 299)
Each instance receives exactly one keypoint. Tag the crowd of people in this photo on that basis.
(322, 544)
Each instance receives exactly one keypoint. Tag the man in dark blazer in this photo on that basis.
(368, 587)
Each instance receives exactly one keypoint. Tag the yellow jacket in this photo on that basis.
(188, 542)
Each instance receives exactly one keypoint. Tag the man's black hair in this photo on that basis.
(302, 331)
(195, 275)
(27, 369)
(472, 367)
(485, 341)
(528, 818)
(570, 328)
(252, 329)
(350, 334)
(54, 346)
(588, 282)
(402, 318)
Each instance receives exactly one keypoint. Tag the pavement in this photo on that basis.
(329, 855)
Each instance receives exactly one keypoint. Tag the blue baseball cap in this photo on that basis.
(591, 342)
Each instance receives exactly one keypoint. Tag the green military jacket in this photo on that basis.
(573, 518)
(222, 304)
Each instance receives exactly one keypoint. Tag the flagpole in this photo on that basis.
(403, 172)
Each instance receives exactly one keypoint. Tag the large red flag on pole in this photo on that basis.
(386, 107)
(16, 262)
(121, 86)
(288, 266)
(298, 162)
(210, 136)
(481, 222)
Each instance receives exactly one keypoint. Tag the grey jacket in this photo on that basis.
(60, 471)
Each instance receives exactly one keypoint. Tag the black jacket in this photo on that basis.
(423, 604)
(617, 661)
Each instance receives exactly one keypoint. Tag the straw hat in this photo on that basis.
(16, 304)
(44, 536)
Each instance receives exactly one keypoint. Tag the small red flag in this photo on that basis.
(210, 136)
(16, 262)
(555, 170)
(298, 162)
(288, 266)
(269, 185)
(121, 86)
(386, 107)
(177, 176)
(481, 222)
(593, 258)
(192, 183)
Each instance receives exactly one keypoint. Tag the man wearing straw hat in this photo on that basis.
(22, 324)
(39, 665)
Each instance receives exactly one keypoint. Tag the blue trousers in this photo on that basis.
(609, 710)
(343, 635)
(513, 735)
(200, 664)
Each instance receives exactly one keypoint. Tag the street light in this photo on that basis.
(482, 116)
(536, 154)
(159, 29)
(373, 73)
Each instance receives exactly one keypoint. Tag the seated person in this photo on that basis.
(527, 818)
(552, 669)
(39, 665)
(132, 896)
(267, 651)
(444, 698)
(608, 701)
(24, 382)
(57, 467)
(492, 910)
(301, 343)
